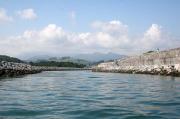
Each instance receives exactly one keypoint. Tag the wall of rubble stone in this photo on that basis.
(14, 69)
(163, 62)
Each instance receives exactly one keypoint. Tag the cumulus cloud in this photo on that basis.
(52, 32)
(156, 37)
(111, 27)
(110, 34)
(106, 36)
(152, 36)
(4, 17)
(51, 38)
(28, 14)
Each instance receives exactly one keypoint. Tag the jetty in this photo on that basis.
(10, 69)
(155, 63)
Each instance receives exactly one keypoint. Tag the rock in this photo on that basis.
(14, 69)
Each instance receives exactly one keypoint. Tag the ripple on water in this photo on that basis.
(98, 113)
(23, 112)
(88, 95)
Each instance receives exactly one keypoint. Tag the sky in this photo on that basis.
(66, 27)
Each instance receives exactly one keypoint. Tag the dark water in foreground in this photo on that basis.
(88, 95)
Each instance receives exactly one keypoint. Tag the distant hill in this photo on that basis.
(85, 59)
(10, 59)
(57, 64)
(70, 59)
(59, 59)
(96, 57)
(38, 58)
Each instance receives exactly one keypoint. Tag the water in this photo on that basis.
(88, 95)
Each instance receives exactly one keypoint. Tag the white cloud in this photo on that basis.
(111, 27)
(155, 37)
(28, 14)
(107, 36)
(46, 40)
(4, 17)
(154, 32)
(72, 16)
(52, 32)
(152, 36)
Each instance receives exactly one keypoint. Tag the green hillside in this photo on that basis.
(57, 64)
(70, 59)
(10, 59)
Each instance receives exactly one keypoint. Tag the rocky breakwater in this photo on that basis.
(157, 62)
(46, 68)
(9, 69)
(15, 69)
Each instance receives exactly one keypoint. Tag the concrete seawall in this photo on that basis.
(163, 63)
(9, 69)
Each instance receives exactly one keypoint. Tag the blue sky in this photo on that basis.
(77, 17)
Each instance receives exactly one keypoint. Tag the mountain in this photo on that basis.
(38, 58)
(85, 59)
(58, 59)
(57, 64)
(10, 59)
(70, 59)
(96, 57)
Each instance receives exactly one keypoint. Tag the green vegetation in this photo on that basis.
(69, 59)
(148, 52)
(10, 59)
(57, 64)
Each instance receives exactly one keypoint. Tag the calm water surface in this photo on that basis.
(88, 95)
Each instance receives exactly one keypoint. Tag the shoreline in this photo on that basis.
(162, 73)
